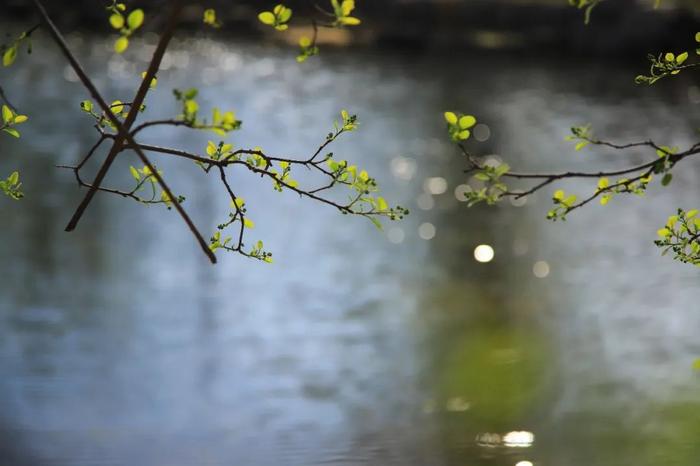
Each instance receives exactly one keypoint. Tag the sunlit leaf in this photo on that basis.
(347, 6)
(7, 114)
(467, 121)
(349, 21)
(117, 21)
(10, 55)
(451, 118)
(135, 19)
(211, 149)
(267, 17)
(210, 18)
(121, 45)
(135, 173)
(117, 107)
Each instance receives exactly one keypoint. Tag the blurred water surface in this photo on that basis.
(120, 344)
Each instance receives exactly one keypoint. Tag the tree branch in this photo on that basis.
(133, 111)
(122, 130)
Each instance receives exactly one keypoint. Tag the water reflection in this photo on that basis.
(120, 344)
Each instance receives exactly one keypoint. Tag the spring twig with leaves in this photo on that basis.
(498, 179)
(220, 157)
(680, 235)
(116, 123)
(340, 16)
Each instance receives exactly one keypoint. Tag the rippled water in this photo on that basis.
(120, 344)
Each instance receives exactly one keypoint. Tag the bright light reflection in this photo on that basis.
(524, 463)
(457, 405)
(435, 185)
(403, 168)
(484, 253)
(488, 439)
(541, 269)
(519, 439)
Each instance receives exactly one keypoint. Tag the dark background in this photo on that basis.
(619, 27)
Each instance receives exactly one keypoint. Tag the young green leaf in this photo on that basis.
(7, 114)
(210, 18)
(267, 17)
(117, 21)
(135, 173)
(11, 132)
(135, 19)
(121, 44)
(467, 121)
(117, 107)
(10, 55)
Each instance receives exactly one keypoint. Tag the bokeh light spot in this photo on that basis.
(540, 269)
(403, 168)
(520, 439)
(435, 185)
(427, 231)
(484, 253)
